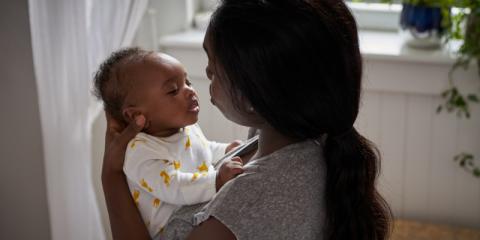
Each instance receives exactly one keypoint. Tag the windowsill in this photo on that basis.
(374, 45)
(390, 46)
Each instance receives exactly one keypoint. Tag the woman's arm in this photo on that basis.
(211, 229)
(125, 220)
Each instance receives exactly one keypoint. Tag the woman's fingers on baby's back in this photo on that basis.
(131, 130)
(116, 141)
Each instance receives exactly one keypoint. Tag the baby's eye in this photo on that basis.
(188, 82)
(173, 91)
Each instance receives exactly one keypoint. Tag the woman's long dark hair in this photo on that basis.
(298, 63)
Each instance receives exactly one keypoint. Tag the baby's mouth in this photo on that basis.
(194, 107)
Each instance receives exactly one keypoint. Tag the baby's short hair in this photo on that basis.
(108, 84)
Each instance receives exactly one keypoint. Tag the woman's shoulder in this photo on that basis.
(294, 163)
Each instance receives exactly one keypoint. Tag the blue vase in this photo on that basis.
(421, 18)
(424, 23)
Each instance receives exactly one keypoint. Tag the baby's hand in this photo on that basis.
(232, 145)
(228, 170)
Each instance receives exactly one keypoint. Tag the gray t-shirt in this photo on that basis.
(279, 196)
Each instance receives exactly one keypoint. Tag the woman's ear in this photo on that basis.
(130, 113)
(247, 106)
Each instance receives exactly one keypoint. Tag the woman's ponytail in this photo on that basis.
(355, 210)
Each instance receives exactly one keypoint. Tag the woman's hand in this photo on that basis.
(125, 219)
(117, 137)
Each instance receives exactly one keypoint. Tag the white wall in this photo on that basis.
(165, 17)
(23, 202)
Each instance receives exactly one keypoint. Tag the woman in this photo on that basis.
(292, 69)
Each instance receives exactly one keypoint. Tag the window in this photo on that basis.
(376, 16)
(370, 14)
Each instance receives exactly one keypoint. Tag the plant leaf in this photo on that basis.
(473, 98)
(476, 172)
(439, 108)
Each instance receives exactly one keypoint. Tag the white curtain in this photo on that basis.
(69, 39)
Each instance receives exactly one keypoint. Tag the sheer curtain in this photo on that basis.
(69, 39)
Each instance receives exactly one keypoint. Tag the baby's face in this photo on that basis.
(162, 93)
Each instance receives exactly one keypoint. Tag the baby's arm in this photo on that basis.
(163, 179)
(218, 150)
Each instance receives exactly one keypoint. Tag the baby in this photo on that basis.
(169, 164)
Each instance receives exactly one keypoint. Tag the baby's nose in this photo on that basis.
(189, 91)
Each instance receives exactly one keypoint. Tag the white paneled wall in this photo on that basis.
(419, 178)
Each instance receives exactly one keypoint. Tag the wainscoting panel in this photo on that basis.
(368, 120)
(443, 169)
(392, 123)
(467, 192)
(417, 155)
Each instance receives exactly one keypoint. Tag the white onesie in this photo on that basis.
(166, 173)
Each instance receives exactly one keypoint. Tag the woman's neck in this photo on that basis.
(270, 140)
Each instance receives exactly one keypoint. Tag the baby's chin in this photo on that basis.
(192, 121)
(191, 118)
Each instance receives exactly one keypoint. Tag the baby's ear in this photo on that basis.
(130, 113)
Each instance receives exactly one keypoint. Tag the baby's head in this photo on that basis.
(134, 82)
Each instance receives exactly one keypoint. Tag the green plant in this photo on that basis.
(466, 161)
(468, 53)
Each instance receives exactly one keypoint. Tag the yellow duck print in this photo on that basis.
(176, 165)
(195, 176)
(144, 184)
(134, 142)
(136, 196)
(166, 177)
(188, 143)
(156, 202)
(203, 167)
